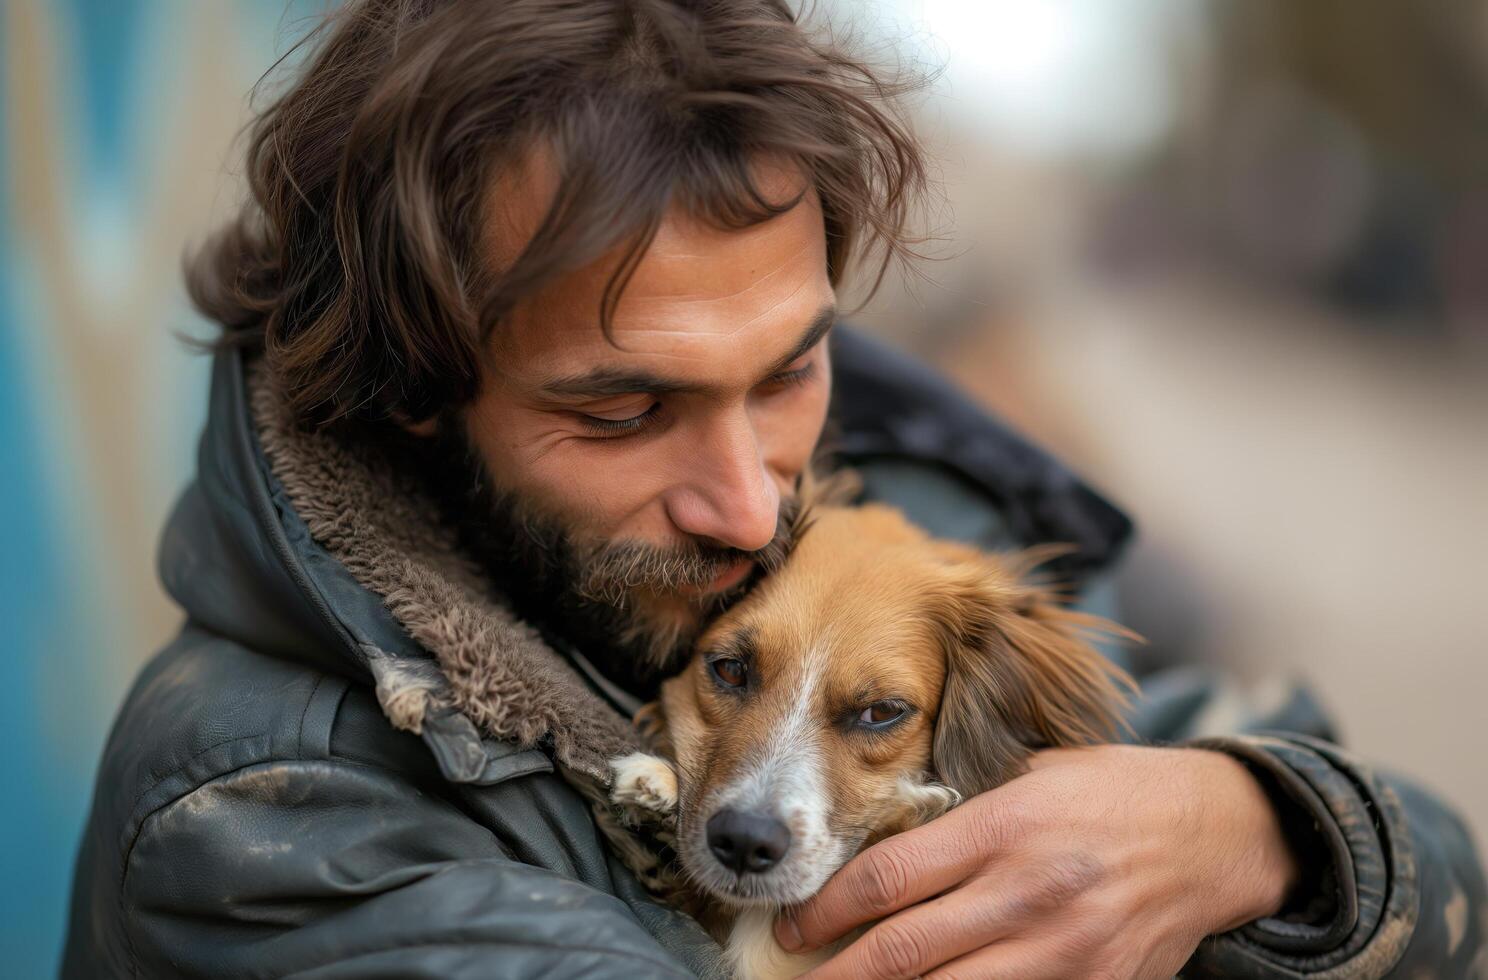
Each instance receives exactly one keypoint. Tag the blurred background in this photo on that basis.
(1228, 258)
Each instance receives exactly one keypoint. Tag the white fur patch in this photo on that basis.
(644, 780)
(754, 954)
(786, 780)
(752, 951)
(926, 800)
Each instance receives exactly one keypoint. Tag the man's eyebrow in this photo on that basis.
(604, 382)
(607, 382)
(815, 331)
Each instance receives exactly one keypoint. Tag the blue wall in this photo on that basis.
(99, 405)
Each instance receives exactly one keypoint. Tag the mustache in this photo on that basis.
(612, 573)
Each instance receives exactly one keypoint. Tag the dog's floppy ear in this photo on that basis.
(1021, 673)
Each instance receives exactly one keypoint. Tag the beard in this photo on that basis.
(632, 608)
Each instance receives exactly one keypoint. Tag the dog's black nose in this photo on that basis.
(747, 841)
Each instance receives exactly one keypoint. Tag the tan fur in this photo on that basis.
(1021, 672)
(868, 608)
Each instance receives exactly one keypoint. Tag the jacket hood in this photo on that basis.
(296, 544)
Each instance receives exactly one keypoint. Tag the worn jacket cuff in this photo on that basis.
(1356, 917)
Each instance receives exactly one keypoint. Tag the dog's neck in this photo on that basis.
(753, 952)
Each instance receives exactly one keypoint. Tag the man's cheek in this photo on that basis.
(793, 431)
(609, 496)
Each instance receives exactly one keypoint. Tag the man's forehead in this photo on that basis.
(707, 345)
(700, 298)
(522, 190)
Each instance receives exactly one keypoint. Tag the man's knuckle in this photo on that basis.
(886, 881)
(1041, 891)
(899, 949)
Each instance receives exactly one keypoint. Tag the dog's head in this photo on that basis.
(822, 712)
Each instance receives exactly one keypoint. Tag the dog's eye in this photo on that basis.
(881, 713)
(729, 671)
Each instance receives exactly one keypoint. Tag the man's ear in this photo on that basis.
(1021, 673)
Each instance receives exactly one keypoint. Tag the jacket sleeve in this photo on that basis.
(331, 869)
(1395, 887)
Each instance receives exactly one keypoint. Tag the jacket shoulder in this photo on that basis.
(205, 706)
(235, 782)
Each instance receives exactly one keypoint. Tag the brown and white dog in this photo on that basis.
(864, 688)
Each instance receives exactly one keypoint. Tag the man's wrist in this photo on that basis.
(1255, 860)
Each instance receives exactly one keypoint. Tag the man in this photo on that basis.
(529, 339)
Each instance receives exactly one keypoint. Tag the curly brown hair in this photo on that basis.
(354, 267)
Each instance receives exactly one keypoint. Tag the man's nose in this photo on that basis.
(728, 496)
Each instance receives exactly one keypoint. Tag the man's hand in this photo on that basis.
(1112, 861)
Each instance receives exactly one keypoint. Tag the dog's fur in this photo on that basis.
(868, 610)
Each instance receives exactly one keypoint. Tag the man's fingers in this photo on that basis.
(883, 879)
(1022, 959)
(919, 939)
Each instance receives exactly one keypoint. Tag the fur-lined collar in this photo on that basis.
(488, 666)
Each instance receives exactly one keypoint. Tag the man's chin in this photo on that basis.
(659, 628)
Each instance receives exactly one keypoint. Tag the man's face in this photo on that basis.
(662, 454)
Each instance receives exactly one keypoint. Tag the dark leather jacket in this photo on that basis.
(354, 762)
